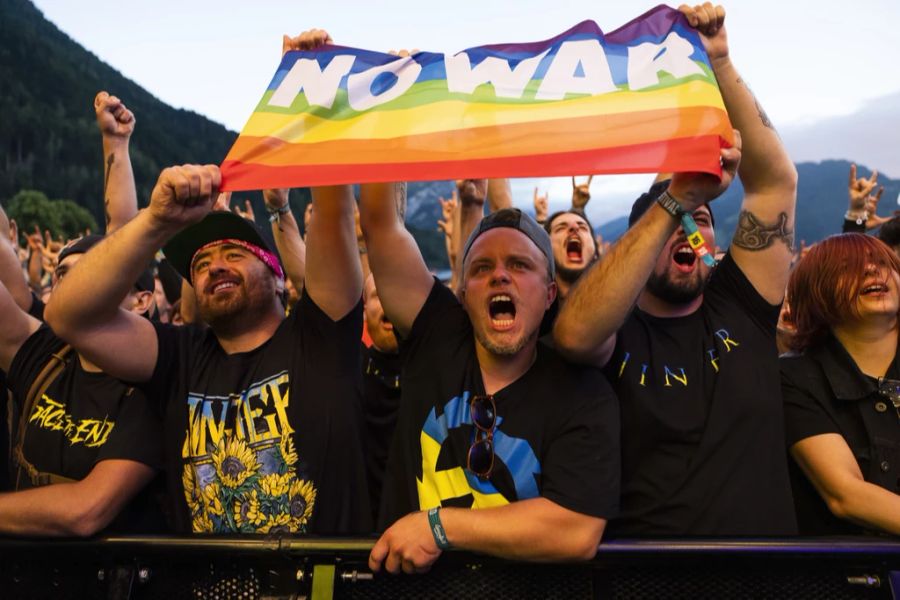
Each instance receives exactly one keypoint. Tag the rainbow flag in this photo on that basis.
(640, 99)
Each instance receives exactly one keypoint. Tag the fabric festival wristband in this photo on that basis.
(695, 239)
(437, 529)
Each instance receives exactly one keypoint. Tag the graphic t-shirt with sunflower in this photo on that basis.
(268, 440)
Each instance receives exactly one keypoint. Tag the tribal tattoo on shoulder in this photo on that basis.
(753, 234)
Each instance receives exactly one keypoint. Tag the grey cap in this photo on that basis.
(513, 218)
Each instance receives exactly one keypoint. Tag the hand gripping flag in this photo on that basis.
(642, 99)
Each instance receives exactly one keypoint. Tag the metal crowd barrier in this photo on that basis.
(334, 568)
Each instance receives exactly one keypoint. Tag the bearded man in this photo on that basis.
(690, 349)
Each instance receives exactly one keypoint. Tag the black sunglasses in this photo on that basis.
(483, 411)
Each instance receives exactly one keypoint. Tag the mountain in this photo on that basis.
(48, 137)
(871, 135)
(821, 203)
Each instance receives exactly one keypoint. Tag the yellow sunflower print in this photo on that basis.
(247, 510)
(188, 482)
(280, 522)
(301, 501)
(201, 523)
(234, 462)
(213, 496)
(275, 484)
(288, 453)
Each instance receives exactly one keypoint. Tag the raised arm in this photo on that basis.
(333, 275)
(862, 204)
(603, 297)
(472, 194)
(400, 272)
(829, 464)
(763, 242)
(286, 231)
(11, 274)
(116, 124)
(581, 193)
(84, 308)
(499, 194)
(524, 530)
(81, 509)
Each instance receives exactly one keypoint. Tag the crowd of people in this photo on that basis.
(187, 371)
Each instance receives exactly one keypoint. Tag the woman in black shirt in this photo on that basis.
(842, 388)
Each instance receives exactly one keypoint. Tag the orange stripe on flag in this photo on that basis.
(700, 153)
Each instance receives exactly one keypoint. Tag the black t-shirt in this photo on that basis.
(556, 435)
(825, 392)
(36, 309)
(82, 419)
(381, 402)
(702, 418)
(267, 440)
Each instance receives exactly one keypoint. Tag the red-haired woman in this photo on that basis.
(842, 388)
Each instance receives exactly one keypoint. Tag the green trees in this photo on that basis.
(63, 218)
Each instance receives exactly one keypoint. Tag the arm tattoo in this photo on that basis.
(109, 164)
(762, 113)
(401, 201)
(753, 234)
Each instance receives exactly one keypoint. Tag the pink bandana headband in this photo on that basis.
(268, 258)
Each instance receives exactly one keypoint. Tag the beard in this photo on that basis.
(666, 288)
(507, 349)
(384, 341)
(246, 303)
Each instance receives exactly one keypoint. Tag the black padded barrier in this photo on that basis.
(249, 567)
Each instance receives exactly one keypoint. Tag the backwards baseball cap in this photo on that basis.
(145, 282)
(513, 218)
(219, 227)
(646, 199)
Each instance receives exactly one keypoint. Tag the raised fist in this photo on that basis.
(113, 117)
(541, 204)
(308, 40)
(692, 190)
(472, 191)
(709, 21)
(184, 195)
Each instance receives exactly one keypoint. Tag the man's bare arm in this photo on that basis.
(524, 530)
(286, 231)
(11, 274)
(78, 509)
(84, 308)
(603, 297)
(400, 272)
(762, 245)
(116, 124)
(333, 275)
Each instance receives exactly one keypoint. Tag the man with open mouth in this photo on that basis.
(574, 247)
(690, 349)
(490, 418)
(260, 411)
